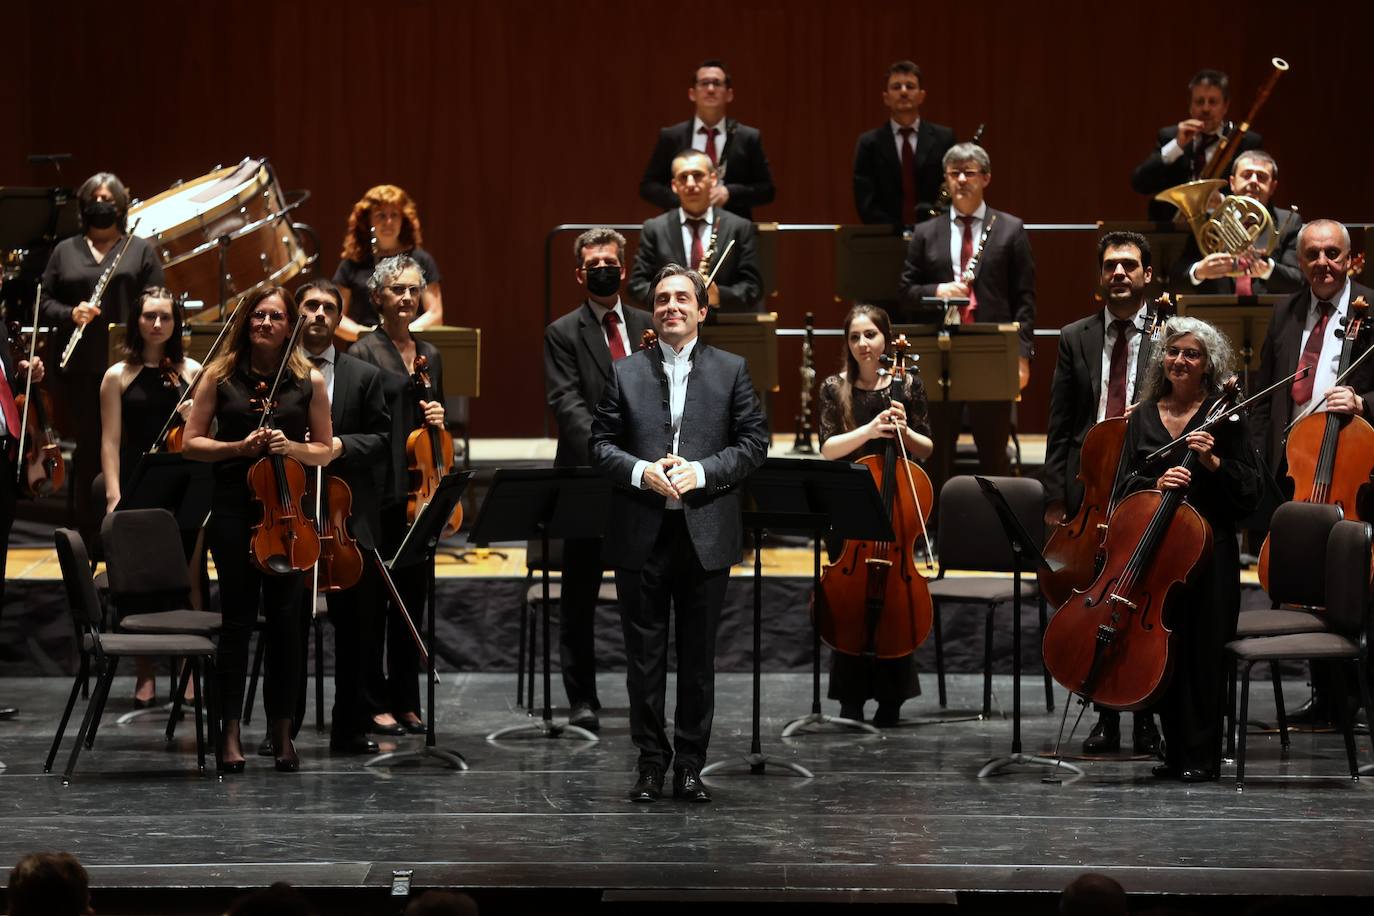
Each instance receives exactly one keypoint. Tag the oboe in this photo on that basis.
(802, 445)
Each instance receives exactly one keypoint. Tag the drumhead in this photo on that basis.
(193, 204)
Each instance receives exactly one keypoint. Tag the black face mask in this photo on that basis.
(603, 281)
(100, 214)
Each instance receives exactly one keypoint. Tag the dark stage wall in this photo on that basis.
(506, 119)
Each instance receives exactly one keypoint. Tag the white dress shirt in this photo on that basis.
(677, 366)
(710, 217)
(1171, 151)
(956, 234)
(1330, 357)
(327, 368)
(1132, 361)
(600, 311)
(699, 139)
(897, 137)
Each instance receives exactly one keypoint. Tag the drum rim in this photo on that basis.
(262, 179)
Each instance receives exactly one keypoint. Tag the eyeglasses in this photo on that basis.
(964, 173)
(710, 84)
(1191, 354)
(399, 290)
(265, 317)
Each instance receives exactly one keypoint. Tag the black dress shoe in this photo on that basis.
(687, 785)
(8, 712)
(852, 711)
(353, 744)
(235, 767)
(265, 748)
(583, 716)
(145, 704)
(1164, 771)
(1105, 738)
(1315, 712)
(413, 727)
(394, 730)
(1144, 735)
(1197, 775)
(649, 786)
(887, 715)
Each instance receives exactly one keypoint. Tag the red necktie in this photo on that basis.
(1199, 157)
(697, 251)
(710, 133)
(612, 323)
(1116, 378)
(908, 175)
(8, 407)
(1302, 388)
(965, 254)
(1245, 286)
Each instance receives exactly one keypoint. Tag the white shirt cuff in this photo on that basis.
(1170, 151)
(701, 475)
(637, 475)
(1192, 274)
(1268, 269)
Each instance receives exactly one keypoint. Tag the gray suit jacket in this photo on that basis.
(722, 427)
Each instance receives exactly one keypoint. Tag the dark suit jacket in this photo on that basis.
(660, 242)
(1279, 358)
(878, 172)
(747, 177)
(1155, 175)
(1074, 394)
(722, 427)
(377, 349)
(362, 422)
(1005, 280)
(1286, 278)
(577, 366)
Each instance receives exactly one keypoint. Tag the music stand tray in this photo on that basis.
(544, 503)
(967, 362)
(1244, 320)
(1030, 558)
(418, 546)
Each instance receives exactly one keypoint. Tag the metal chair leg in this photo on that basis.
(987, 661)
(102, 688)
(99, 702)
(178, 693)
(78, 683)
(520, 655)
(1049, 687)
(1231, 708)
(194, 668)
(939, 656)
(1244, 717)
(1278, 706)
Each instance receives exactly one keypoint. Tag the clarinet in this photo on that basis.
(96, 296)
(802, 445)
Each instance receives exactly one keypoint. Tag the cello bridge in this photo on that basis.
(1117, 599)
(876, 561)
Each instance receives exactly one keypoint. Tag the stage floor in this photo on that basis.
(894, 818)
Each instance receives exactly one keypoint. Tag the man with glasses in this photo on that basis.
(735, 149)
(983, 256)
(697, 231)
(897, 170)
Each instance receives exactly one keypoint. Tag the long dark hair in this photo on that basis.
(133, 334)
(851, 366)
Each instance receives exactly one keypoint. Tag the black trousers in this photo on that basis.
(991, 425)
(855, 679)
(672, 577)
(577, 619)
(392, 662)
(1190, 710)
(348, 610)
(243, 588)
(80, 396)
(9, 494)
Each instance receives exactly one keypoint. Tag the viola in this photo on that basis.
(1330, 455)
(873, 600)
(284, 539)
(340, 565)
(1110, 643)
(1077, 544)
(43, 472)
(429, 456)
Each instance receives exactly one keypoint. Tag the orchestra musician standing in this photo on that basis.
(232, 397)
(13, 371)
(898, 169)
(579, 349)
(359, 454)
(860, 412)
(1002, 290)
(1098, 374)
(397, 289)
(677, 430)
(1183, 381)
(69, 280)
(735, 149)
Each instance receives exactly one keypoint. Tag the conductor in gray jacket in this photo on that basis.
(677, 430)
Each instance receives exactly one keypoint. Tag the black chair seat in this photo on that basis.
(129, 645)
(1296, 645)
(185, 621)
(1278, 622)
(981, 589)
(535, 593)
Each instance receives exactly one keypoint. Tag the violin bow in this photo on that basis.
(28, 385)
(1226, 414)
(191, 387)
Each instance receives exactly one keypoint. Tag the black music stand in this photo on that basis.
(567, 502)
(1027, 555)
(815, 498)
(418, 547)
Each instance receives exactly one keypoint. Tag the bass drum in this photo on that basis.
(237, 216)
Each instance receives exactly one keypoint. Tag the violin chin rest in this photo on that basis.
(279, 564)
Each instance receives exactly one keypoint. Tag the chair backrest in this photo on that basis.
(1347, 577)
(970, 533)
(145, 559)
(76, 577)
(1298, 534)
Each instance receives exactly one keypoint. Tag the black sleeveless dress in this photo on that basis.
(144, 407)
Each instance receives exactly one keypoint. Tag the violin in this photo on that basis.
(175, 433)
(340, 565)
(1110, 643)
(284, 539)
(42, 472)
(873, 600)
(1077, 543)
(429, 456)
(1330, 455)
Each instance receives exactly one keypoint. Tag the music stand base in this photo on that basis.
(820, 718)
(451, 759)
(757, 764)
(998, 764)
(545, 728)
(162, 709)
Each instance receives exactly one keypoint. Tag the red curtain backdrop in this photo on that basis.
(503, 120)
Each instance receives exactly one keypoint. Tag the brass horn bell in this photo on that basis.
(1238, 225)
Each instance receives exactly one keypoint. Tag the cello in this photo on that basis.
(1110, 642)
(873, 600)
(1077, 543)
(429, 457)
(42, 472)
(1330, 455)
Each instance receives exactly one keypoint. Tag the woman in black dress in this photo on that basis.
(1181, 385)
(397, 288)
(860, 413)
(229, 397)
(137, 395)
(384, 223)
